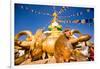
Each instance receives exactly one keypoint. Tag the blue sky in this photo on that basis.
(25, 19)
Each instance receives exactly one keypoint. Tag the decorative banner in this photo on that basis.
(88, 10)
(82, 21)
(75, 21)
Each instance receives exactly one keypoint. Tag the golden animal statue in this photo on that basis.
(55, 45)
(43, 44)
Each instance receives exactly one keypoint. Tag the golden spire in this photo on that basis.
(55, 16)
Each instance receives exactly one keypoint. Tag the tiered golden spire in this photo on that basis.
(55, 16)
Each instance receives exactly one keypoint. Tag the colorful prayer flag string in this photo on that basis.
(76, 21)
